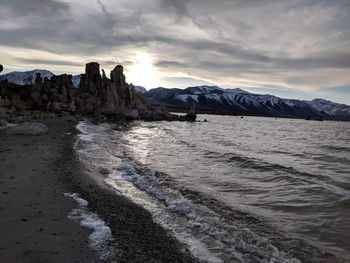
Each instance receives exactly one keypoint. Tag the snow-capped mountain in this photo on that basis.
(26, 77)
(140, 89)
(213, 98)
(330, 108)
(76, 80)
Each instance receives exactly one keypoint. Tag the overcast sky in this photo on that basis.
(289, 48)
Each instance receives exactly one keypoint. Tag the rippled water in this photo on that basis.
(232, 189)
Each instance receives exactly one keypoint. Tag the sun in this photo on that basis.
(142, 72)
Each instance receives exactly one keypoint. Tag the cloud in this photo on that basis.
(184, 82)
(304, 44)
(48, 62)
(34, 7)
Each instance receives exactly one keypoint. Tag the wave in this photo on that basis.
(101, 238)
(280, 173)
(205, 231)
(235, 240)
(336, 148)
(213, 231)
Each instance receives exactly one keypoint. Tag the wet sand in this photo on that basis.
(35, 173)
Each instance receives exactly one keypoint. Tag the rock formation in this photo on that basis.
(121, 96)
(97, 96)
(1, 68)
(53, 95)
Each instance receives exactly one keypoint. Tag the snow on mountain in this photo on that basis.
(237, 90)
(28, 77)
(204, 89)
(25, 77)
(329, 107)
(76, 80)
(212, 89)
(185, 98)
(140, 89)
(213, 98)
(161, 93)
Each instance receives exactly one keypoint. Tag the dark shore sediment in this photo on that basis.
(35, 173)
(33, 212)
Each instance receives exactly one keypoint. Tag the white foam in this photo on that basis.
(124, 183)
(101, 238)
(204, 220)
(198, 248)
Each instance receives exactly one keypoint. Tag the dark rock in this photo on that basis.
(120, 95)
(35, 94)
(97, 95)
(91, 81)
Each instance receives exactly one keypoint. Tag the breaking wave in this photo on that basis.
(101, 238)
(209, 235)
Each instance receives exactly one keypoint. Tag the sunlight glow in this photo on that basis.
(142, 72)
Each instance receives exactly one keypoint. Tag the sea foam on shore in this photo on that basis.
(101, 238)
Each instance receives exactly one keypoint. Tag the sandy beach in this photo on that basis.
(35, 173)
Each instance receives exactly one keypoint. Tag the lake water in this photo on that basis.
(232, 189)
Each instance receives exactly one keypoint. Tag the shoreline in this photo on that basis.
(38, 170)
(33, 210)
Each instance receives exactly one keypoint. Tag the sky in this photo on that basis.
(288, 48)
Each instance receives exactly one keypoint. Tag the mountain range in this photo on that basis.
(213, 99)
(26, 77)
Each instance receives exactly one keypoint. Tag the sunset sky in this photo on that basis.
(289, 48)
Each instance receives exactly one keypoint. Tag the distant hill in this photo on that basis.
(237, 101)
(26, 77)
(140, 89)
(76, 80)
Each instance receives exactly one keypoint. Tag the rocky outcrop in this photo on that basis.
(91, 81)
(97, 95)
(121, 96)
(1, 68)
(54, 94)
(36, 91)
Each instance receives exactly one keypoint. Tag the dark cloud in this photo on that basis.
(34, 6)
(103, 8)
(48, 62)
(106, 63)
(176, 6)
(171, 64)
(260, 40)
